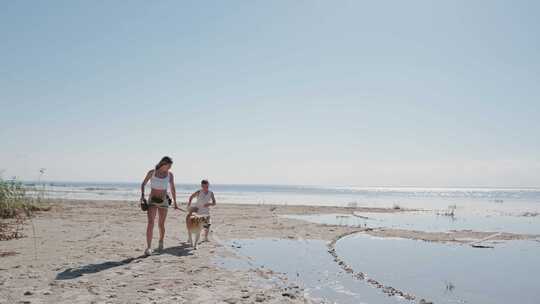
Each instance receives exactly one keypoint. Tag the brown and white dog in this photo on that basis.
(194, 225)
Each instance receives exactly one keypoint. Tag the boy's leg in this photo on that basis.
(206, 229)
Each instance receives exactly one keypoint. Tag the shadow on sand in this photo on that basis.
(72, 273)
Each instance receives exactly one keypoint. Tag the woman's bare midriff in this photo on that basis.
(158, 193)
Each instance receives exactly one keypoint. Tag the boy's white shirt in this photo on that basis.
(202, 199)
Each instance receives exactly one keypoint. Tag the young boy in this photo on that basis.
(205, 199)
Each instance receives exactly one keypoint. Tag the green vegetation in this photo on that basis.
(16, 206)
(14, 200)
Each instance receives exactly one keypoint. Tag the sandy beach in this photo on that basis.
(92, 252)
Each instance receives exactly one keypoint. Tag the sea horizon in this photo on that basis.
(332, 186)
(467, 199)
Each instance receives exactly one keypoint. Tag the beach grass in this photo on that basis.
(16, 206)
(14, 200)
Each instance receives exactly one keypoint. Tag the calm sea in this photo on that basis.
(502, 199)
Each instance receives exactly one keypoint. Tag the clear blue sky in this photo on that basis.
(428, 93)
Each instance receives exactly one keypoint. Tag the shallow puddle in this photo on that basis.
(429, 221)
(448, 273)
(307, 264)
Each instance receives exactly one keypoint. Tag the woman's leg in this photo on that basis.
(162, 217)
(150, 226)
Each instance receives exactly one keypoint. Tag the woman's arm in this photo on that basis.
(145, 181)
(173, 190)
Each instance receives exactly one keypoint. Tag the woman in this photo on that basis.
(158, 202)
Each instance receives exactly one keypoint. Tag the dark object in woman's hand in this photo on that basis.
(144, 205)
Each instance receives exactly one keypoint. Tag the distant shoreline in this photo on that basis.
(129, 183)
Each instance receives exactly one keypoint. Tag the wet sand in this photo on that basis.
(92, 252)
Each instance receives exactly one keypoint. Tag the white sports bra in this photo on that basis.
(159, 183)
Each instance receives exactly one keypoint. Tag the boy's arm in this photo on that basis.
(191, 197)
(213, 199)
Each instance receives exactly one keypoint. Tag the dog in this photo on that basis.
(194, 225)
